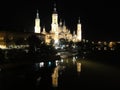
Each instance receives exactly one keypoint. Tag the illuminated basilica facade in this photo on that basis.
(58, 30)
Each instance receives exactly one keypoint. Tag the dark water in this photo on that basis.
(91, 74)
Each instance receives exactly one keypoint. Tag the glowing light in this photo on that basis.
(74, 60)
(3, 46)
(54, 80)
(58, 53)
(79, 32)
(111, 44)
(56, 62)
(1, 38)
(41, 64)
(78, 67)
(61, 31)
(49, 63)
(76, 57)
(55, 77)
(61, 60)
(56, 47)
(56, 41)
(37, 23)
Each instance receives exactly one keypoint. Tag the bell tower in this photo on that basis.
(54, 25)
(79, 31)
(37, 23)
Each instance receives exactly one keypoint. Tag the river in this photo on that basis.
(68, 73)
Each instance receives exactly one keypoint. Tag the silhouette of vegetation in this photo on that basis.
(34, 42)
(39, 51)
(1, 56)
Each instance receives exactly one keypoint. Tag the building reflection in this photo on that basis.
(55, 75)
(78, 67)
(61, 68)
(74, 60)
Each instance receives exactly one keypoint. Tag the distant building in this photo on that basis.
(58, 30)
(16, 39)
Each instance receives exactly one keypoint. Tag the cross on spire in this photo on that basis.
(37, 16)
(55, 8)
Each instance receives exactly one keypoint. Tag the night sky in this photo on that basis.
(99, 19)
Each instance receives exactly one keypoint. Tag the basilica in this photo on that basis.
(58, 30)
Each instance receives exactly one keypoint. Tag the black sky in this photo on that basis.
(99, 19)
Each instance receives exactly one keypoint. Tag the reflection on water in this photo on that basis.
(38, 80)
(41, 64)
(51, 74)
(74, 60)
(78, 67)
(59, 75)
(54, 80)
(55, 75)
(61, 66)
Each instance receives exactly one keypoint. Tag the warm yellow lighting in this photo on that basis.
(74, 60)
(3, 46)
(1, 38)
(44, 32)
(55, 77)
(58, 31)
(79, 31)
(37, 24)
(56, 41)
(54, 80)
(111, 44)
(78, 67)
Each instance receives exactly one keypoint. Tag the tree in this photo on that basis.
(40, 51)
(63, 41)
(34, 42)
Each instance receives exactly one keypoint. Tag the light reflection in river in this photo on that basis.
(67, 73)
(78, 67)
(60, 68)
(74, 60)
(40, 73)
(55, 76)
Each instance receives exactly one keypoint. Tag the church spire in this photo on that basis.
(37, 23)
(55, 11)
(37, 15)
(79, 20)
(79, 31)
(54, 24)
